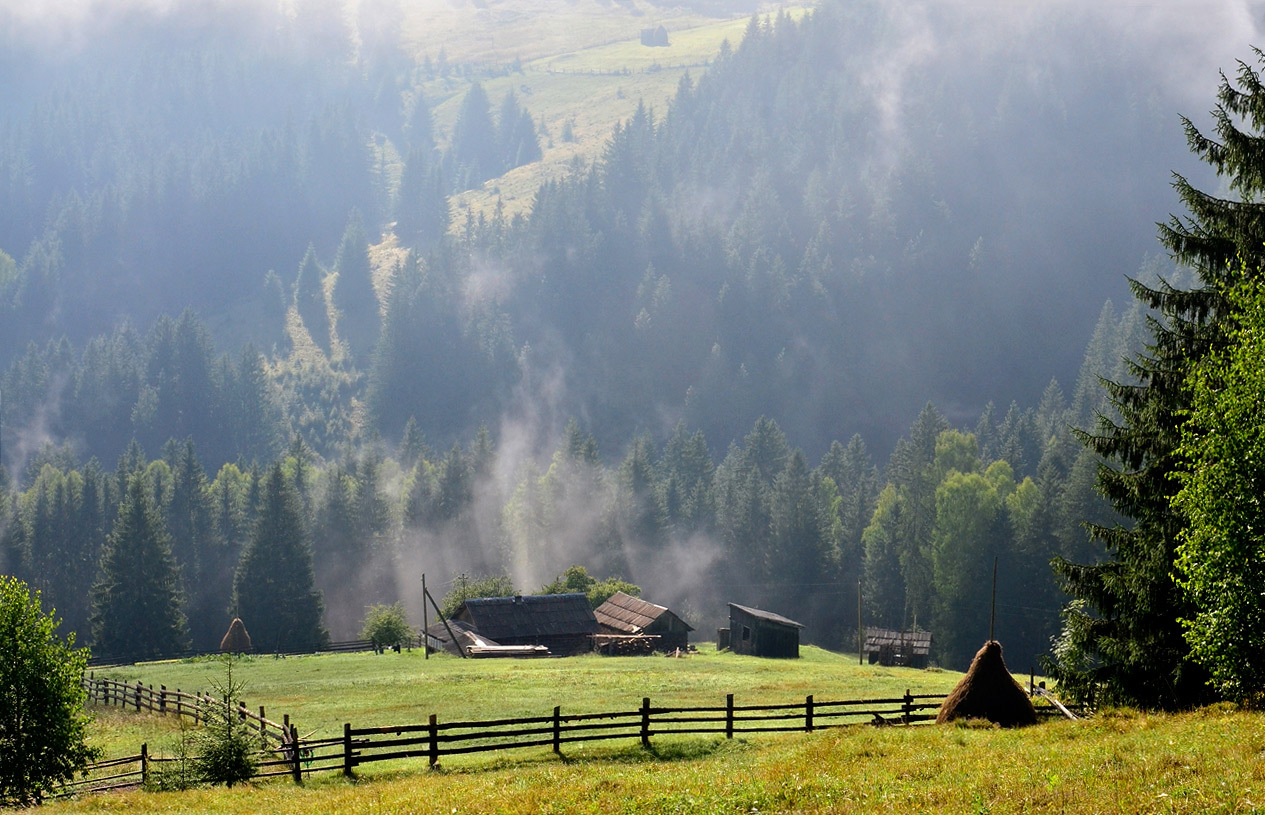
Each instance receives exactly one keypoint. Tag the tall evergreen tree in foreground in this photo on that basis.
(136, 603)
(274, 590)
(1123, 631)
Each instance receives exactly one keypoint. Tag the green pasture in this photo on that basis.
(321, 692)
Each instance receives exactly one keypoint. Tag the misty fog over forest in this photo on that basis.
(826, 317)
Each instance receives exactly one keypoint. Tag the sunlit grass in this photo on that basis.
(1205, 762)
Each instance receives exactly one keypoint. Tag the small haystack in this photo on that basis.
(236, 641)
(988, 691)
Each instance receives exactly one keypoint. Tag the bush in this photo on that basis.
(387, 626)
(43, 728)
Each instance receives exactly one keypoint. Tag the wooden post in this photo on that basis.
(907, 708)
(434, 739)
(297, 769)
(557, 729)
(162, 699)
(139, 688)
(729, 715)
(645, 722)
(425, 622)
(144, 764)
(808, 713)
(263, 729)
(348, 761)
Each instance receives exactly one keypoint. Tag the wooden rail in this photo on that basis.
(435, 740)
(179, 703)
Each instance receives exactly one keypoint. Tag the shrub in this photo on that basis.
(43, 729)
(387, 625)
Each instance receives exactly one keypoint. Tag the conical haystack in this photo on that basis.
(236, 641)
(988, 691)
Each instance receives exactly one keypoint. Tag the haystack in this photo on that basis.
(236, 641)
(988, 691)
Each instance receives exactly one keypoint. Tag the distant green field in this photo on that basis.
(594, 84)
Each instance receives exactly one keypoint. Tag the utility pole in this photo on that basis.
(425, 636)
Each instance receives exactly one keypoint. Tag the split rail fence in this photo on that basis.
(434, 740)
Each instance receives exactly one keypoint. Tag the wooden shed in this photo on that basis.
(625, 614)
(564, 623)
(908, 648)
(762, 633)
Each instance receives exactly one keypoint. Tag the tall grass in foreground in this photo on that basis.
(1121, 762)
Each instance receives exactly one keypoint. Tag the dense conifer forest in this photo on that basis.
(827, 323)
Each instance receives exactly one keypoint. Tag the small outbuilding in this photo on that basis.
(563, 623)
(762, 633)
(904, 648)
(624, 614)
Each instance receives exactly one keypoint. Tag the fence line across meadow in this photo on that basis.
(286, 754)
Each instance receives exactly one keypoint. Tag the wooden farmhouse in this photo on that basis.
(631, 616)
(564, 623)
(762, 633)
(908, 648)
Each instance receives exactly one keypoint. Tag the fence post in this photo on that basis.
(434, 740)
(263, 729)
(162, 699)
(348, 761)
(296, 769)
(145, 764)
(729, 715)
(557, 728)
(808, 713)
(645, 722)
(907, 707)
(139, 688)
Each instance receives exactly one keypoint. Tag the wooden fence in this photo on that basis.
(285, 754)
(179, 703)
(435, 740)
(343, 647)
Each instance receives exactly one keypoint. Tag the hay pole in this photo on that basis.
(992, 614)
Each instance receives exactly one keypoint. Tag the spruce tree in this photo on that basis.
(136, 602)
(274, 591)
(357, 301)
(1122, 632)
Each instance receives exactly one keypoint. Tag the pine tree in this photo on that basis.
(474, 147)
(274, 591)
(136, 602)
(309, 299)
(1122, 631)
(354, 295)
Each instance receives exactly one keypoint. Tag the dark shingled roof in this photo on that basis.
(539, 615)
(918, 643)
(767, 615)
(633, 615)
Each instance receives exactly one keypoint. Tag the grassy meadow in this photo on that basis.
(1120, 762)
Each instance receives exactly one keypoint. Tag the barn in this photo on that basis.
(624, 614)
(908, 648)
(564, 623)
(762, 633)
